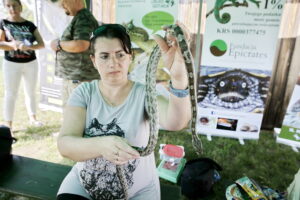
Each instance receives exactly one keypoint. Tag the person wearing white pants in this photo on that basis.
(19, 38)
(13, 73)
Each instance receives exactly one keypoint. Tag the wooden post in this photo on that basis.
(104, 10)
(286, 66)
(189, 11)
(293, 73)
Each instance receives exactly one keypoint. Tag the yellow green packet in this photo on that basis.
(251, 188)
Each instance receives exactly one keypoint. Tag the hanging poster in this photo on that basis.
(237, 58)
(51, 27)
(142, 18)
(290, 130)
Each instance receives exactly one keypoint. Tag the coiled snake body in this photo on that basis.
(151, 101)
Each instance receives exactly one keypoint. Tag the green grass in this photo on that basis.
(263, 160)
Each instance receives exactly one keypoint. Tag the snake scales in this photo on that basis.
(151, 101)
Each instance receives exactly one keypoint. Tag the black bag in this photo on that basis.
(6, 141)
(198, 177)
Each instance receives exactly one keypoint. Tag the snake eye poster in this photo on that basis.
(237, 58)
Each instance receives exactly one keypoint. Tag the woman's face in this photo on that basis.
(13, 8)
(111, 61)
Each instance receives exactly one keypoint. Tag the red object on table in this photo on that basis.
(173, 150)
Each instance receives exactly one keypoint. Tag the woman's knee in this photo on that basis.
(10, 95)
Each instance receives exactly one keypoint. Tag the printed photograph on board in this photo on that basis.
(227, 124)
(142, 19)
(239, 90)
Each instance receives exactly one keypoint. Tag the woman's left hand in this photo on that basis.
(172, 56)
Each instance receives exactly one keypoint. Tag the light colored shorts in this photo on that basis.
(72, 185)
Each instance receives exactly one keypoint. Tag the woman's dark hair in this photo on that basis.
(112, 31)
(18, 1)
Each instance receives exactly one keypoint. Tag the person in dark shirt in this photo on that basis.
(19, 38)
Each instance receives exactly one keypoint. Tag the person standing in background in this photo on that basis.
(19, 38)
(73, 63)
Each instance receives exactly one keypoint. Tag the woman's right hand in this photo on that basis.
(15, 44)
(117, 150)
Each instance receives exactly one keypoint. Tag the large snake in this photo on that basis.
(151, 101)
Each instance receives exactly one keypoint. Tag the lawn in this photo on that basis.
(263, 160)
